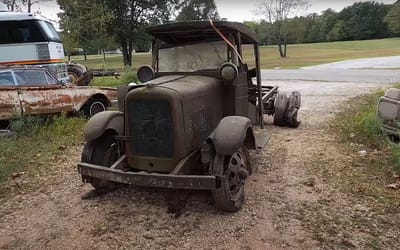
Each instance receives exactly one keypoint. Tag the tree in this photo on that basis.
(328, 21)
(197, 10)
(392, 19)
(364, 20)
(129, 17)
(277, 12)
(84, 22)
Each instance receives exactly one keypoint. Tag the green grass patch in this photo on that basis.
(111, 81)
(359, 127)
(298, 55)
(36, 141)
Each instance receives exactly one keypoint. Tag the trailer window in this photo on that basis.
(26, 31)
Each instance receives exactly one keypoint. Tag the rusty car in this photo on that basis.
(191, 122)
(34, 91)
(388, 113)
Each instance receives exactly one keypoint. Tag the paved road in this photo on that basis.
(366, 70)
(334, 75)
(388, 62)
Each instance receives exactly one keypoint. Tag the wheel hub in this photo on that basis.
(237, 173)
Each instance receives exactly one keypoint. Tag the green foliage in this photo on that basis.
(393, 19)
(197, 10)
(360, 21)
(110, 81)
(84, 22)
(27, 125)
(36, 141)
(358, 124)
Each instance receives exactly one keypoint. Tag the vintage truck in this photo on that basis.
(192, 121)
(26, 90)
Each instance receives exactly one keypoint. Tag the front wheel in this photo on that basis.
(104, 152)
(236, 167)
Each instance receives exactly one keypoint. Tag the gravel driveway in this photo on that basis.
(54, 216)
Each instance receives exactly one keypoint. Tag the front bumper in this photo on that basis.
(198, 182)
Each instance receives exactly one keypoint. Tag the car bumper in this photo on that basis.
(198, 182)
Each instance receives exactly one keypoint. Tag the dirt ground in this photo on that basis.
(286, 201)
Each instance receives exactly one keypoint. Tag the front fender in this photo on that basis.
(232, 133)
(103, 121)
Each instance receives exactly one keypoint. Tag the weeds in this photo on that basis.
(36, 140)
(358, 125)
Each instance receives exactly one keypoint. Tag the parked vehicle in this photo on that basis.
(192, 121)
(34, 91)
(29, 39)
(389, 113)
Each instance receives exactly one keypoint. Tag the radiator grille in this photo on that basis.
(150, 126)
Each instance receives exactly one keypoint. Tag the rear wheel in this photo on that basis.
(294, 102)
(236, 167)
(280, 107)
(104, 152)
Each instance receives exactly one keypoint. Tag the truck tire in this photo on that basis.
(280, 107)
(294, 103)
(80, 73)
(104, 152)
(230, 195)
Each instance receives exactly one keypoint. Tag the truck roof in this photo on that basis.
(17, 16)
(197, 31)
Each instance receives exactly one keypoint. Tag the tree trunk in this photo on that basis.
(282, 47)
(104, 54)
(69, 56)
(130, 49)
(285, 46)
(84, 54)
(124, 51)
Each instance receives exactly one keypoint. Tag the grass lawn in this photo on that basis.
(299, 55)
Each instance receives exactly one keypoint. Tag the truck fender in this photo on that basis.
(103, 121)
(232, 133)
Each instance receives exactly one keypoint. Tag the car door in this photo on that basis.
(10, 105)
(41, 94)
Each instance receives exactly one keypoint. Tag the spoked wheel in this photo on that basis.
(230, 195)
(103, 151)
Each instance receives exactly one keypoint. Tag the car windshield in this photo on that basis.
(6, 79)
(33, 78)
(193, 57)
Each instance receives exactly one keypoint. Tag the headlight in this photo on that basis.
(145, 73)
(228, 71)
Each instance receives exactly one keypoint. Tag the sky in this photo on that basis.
(244, 10)
(233, 10)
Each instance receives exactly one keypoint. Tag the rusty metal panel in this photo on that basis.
(44, 100)
(47, 99)
(9, 103)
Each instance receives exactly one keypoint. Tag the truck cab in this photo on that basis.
(191, 121)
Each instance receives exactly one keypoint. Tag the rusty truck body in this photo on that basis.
(194, 118)
(34, 91)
